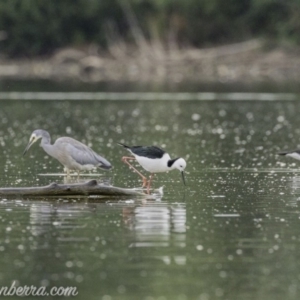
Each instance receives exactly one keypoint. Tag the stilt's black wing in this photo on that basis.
(150, 152)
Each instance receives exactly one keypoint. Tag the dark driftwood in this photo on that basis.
(78, 189)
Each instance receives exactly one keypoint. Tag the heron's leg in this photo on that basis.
(78, 175)
(149, 182)
(125, 160)
(67, 171)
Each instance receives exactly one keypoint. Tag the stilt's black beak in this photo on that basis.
(183, 178)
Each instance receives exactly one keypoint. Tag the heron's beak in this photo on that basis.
(31, 142)
(183, 177)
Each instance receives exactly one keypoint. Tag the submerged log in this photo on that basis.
(78, 189)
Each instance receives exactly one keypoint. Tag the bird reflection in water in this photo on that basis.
(156, 225)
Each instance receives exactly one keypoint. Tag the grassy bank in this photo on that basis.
(249, 61)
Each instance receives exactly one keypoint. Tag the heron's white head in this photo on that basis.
(35, 136)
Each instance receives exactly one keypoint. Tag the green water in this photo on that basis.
(232, 233)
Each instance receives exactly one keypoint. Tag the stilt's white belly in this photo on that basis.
(153, 165)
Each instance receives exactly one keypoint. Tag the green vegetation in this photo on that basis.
(37, 27)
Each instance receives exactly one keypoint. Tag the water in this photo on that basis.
(232, 233)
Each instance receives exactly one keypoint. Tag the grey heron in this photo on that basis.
(72, 154)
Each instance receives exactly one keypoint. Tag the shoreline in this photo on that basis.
(247, 62)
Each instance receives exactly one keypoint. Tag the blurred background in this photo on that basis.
(151, 40)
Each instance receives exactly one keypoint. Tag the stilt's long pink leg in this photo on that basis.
(125, 160)
(149, 182)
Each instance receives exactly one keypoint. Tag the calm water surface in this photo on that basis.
(232, 233)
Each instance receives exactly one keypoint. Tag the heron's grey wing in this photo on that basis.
(82, 154)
